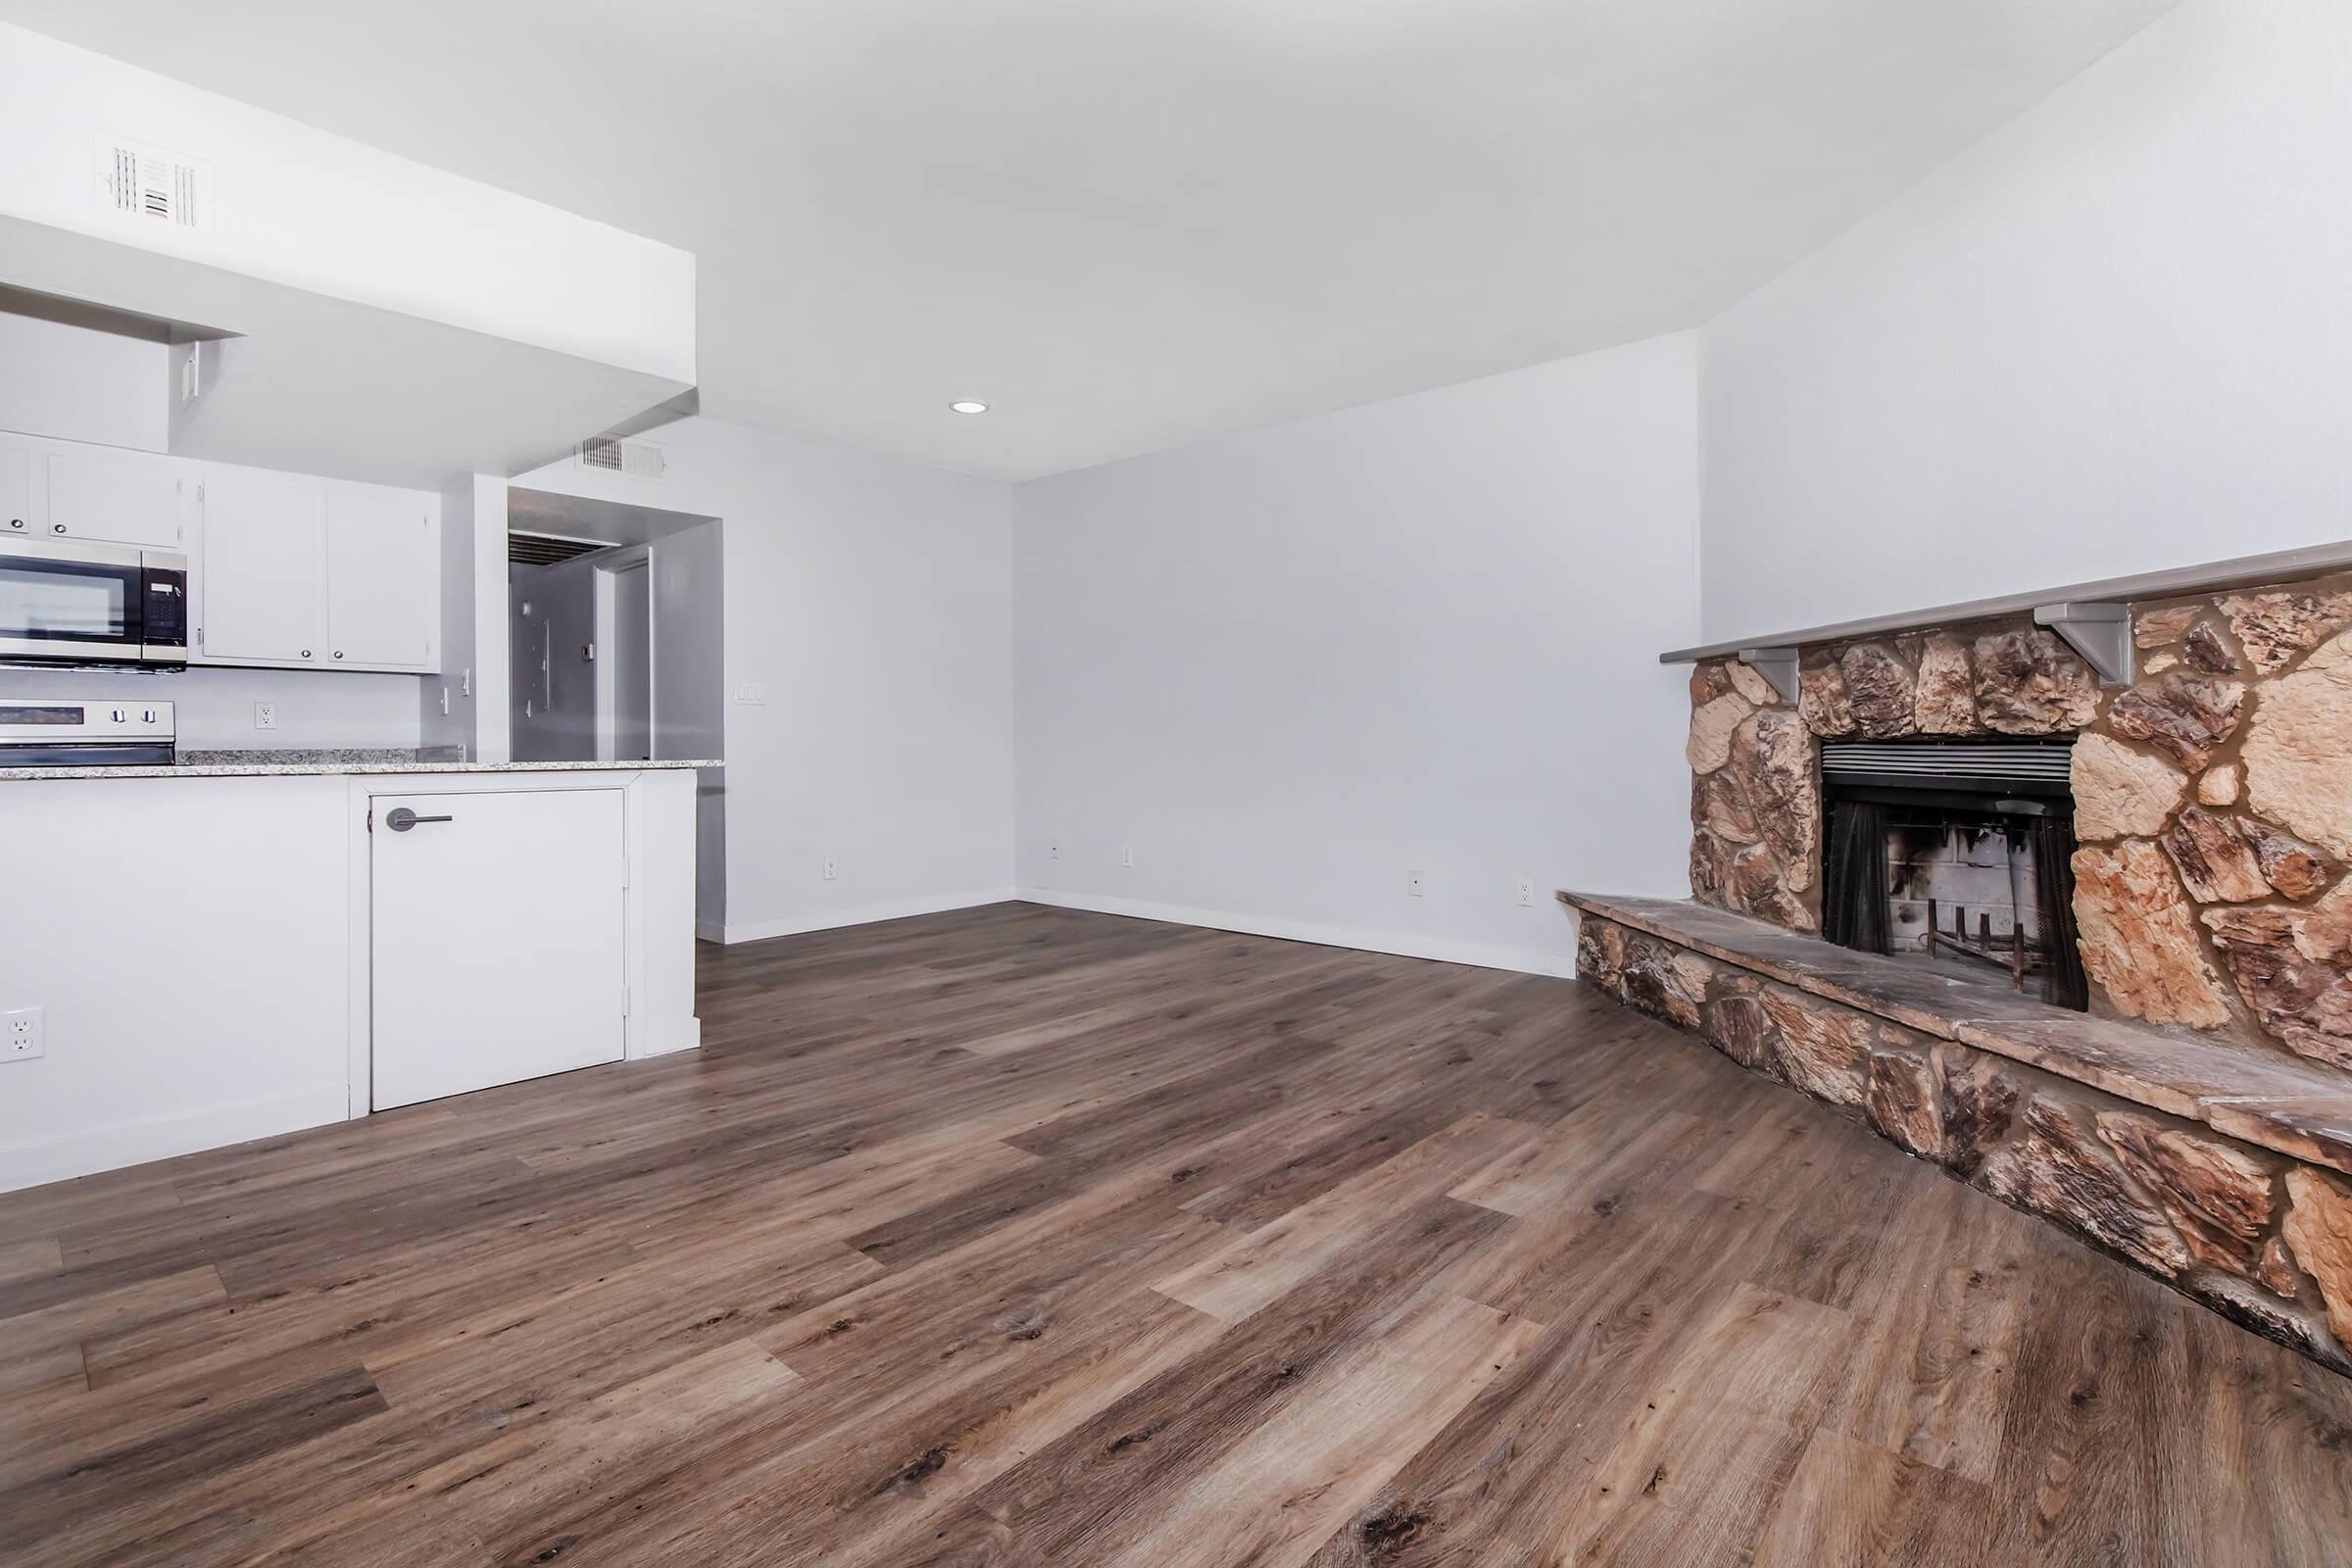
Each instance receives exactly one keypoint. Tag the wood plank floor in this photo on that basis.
(1023, 1235)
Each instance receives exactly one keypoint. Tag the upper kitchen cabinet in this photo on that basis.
(316, 574)
(259, 589)
(124, 499)
(383, 578)
(58, 490)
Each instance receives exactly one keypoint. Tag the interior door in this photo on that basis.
(381, 578)
(264, 569)
(498, 946)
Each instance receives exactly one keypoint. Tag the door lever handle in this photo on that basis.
(400, 820)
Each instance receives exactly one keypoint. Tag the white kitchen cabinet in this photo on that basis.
(260, 574)
(316, 574)
(16, 489)
(116, 497)
(498, 938)
(383, 602)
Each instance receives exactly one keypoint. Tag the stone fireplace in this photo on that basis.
(2080, 933)
(2212, 798)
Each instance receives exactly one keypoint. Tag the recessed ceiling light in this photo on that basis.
(968, 406)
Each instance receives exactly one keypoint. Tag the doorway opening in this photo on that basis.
(615, 642)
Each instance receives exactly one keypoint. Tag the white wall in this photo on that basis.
(688, 571)
(2112, 337)
(1289, 667)
(298, 206)
(871, 603)
(77, 384)
(451, 689)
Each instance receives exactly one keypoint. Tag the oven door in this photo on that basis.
(78, 604)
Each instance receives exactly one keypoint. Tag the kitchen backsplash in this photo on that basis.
(215, 707)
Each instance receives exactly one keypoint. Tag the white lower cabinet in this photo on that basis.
(498, 938)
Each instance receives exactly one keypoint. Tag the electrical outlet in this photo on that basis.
(1052, 851)
(1527, 893)
(1412, 884)
(832, 869)
(265, 715)
(1127, 855)
(21, 1038)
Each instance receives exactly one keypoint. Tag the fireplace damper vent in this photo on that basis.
(2021, 768)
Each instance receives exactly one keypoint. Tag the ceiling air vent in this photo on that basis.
(547, 549)
(637, 459)
(139, 181)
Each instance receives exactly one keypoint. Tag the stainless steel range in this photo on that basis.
(61, 732)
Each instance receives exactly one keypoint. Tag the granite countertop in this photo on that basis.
(195, 763)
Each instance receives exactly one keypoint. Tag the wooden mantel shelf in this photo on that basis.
(2244, 571)
(2265, 1097)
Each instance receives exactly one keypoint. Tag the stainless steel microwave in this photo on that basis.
(64, 602)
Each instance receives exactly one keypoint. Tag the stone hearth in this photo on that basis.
(2222, 1168)
(2197, 1122)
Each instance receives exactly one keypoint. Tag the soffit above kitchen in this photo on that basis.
(328, 308)
(1128, 226)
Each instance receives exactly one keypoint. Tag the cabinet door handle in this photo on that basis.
(57, 527)
(338, 652)
(400, 820)
(16, 522)
(306, 652)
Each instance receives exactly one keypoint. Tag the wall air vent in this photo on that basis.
(636, 459)
(151, 186)
(547, 549)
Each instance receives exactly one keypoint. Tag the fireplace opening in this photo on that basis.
(1956, 854)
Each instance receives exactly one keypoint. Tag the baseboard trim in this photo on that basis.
(1364, 939)
(865, 914)
(102, 1149)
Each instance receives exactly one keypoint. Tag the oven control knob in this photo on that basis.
(118, 715)
(147, 717)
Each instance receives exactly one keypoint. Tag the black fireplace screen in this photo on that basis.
(1956, 854)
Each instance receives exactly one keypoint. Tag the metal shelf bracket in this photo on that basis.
(1778, 666)
(2100, 632)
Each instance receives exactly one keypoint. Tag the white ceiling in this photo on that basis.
(1130, 223)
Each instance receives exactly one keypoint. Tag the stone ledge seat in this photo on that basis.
(2260, 1096)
